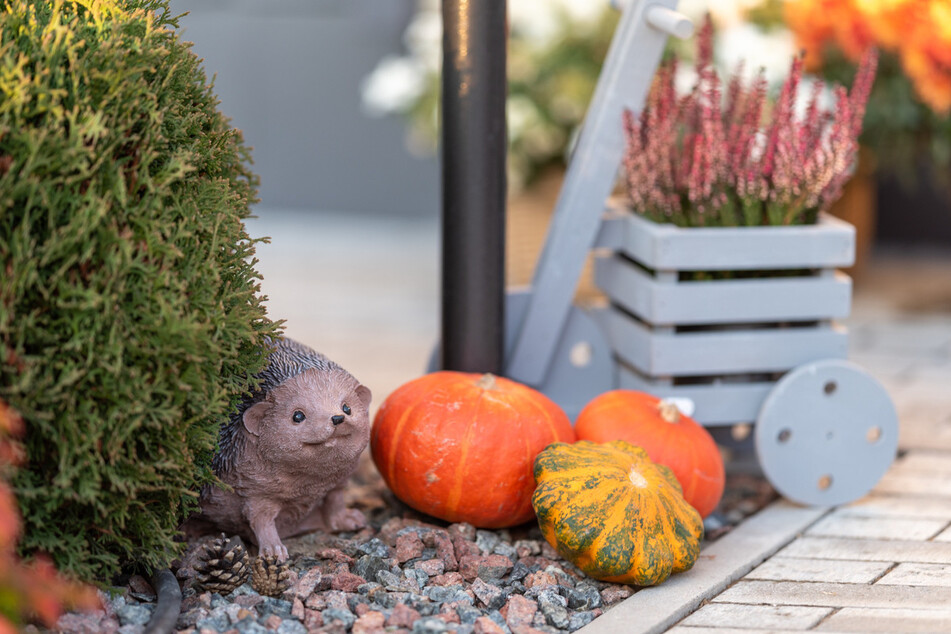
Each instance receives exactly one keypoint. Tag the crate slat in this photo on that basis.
(723, 301)
(715, 404)
(717, 352)
(829, 243)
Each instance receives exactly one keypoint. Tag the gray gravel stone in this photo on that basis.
(418, 576)
(389, 600)
(280, 607)
(486, 541)
(430, 625)
(580, 619)
(218, 601)
(368, 566)
(190, 618)
(250, 626)
(375, 548)
(217, 622)
(519, 572)
(344, 616)
(367, 588)
(447, 594)
(133, 614)
(499, 620)
(468, 614)
(584, 597)
(242, 589)
(505, 549)
(290, 626)
(388, 579)
(553, 605)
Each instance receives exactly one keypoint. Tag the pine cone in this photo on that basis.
(222, 566)
(269, 576)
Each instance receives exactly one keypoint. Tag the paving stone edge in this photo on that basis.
(654, 610)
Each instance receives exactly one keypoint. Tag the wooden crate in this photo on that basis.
(768, 304)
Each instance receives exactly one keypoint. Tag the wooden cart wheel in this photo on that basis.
(826, 433)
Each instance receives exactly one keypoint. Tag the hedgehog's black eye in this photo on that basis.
(346, 409)
(299, 416)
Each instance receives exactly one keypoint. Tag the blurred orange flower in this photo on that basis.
(918, 31)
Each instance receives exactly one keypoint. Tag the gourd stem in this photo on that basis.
(669, 411)
(486, 381)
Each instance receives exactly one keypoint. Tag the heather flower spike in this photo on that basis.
(709, 158)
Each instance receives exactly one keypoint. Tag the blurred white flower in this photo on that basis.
(423, 38)
(538, 20)
(393, 86)
(772, 51)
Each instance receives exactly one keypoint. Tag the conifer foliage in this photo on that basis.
(130, 308)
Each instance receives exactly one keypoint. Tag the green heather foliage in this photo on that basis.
(130, 308)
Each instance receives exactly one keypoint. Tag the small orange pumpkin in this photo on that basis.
(461, 446)
(670, 438)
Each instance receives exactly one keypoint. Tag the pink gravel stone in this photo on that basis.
(485, 625)
(519, 611)
(432, 567)
(347, 582)
(448, 579)
(402, 616)
(408, 546)
(369, 623)
(334, 554)
(613, 594)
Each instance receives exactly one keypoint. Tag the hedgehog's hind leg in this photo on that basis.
(333, 515)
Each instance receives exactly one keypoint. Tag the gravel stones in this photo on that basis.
(408, 577)
(614, 594)
(489, 595)
(133, 614)
(368, 566)
(583, 597)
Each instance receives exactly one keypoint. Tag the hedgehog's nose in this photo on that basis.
(336, 420)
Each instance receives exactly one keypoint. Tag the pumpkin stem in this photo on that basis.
(486, 381)
(669, 411)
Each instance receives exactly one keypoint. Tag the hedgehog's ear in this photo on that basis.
(254, 417)
(363, 393)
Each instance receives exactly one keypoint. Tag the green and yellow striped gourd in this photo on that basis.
(615, 514)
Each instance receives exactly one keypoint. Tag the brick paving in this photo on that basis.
(883, 563)
(365, 291)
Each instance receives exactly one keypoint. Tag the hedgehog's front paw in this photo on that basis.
(347, 520)
(277, 550)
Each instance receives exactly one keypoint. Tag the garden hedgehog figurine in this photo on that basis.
(287, 453)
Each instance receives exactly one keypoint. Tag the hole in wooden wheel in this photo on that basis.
(581, 354)
(741, 431)
(784, 435)
(825, 482)
(830, 387)
(874, 434)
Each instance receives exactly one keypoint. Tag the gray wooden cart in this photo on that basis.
(733, 348)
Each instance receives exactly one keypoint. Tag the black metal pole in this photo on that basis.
(473, 181)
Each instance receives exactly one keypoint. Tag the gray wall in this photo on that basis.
(288, 75)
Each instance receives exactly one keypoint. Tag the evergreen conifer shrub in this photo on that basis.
(130, 309)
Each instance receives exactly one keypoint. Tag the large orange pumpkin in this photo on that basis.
(461, 447)
(670, 438)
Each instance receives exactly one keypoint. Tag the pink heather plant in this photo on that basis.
(708, 159)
